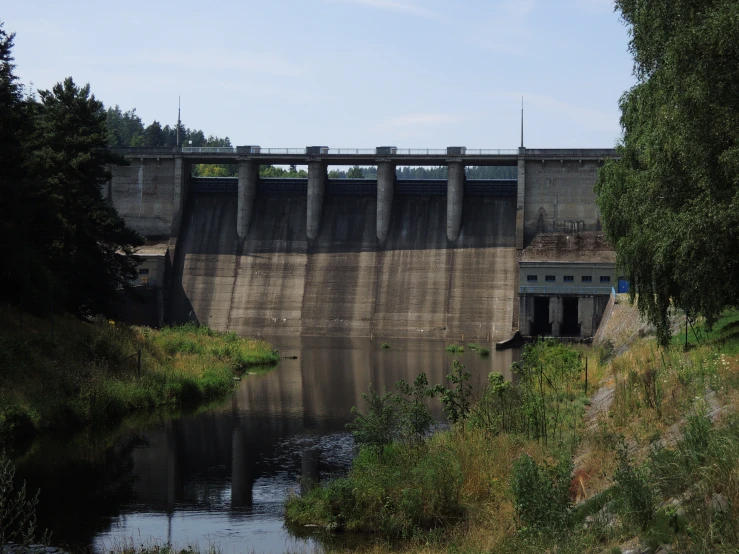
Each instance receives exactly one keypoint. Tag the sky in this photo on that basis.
(342, 73)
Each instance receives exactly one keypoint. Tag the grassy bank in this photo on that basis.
(648, 459)
(89, 372)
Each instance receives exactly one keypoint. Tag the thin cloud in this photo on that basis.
(395, 6)
(584, 117)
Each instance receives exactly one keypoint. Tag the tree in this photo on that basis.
(88, 246)
(355, 173)
(154, 135)
(670, 204)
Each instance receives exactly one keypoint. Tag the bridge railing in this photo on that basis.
(565, 290)
(283, 151)
(490, 152)
(208, 149)
(420, 152)
(352, 151)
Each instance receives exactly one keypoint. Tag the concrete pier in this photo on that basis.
(521, 200)
(385, 192)
(454, 199)
(555, 314)
(316, 192)
(179, 194)
(248, 178)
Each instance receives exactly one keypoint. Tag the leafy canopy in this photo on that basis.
(670, 204)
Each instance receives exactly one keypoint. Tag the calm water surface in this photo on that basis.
(221, 476)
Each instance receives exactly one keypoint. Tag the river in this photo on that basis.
(220, 476)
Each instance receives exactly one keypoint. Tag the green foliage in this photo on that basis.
(410, 491)
(454, 348)
(457, 400)
(669, 204)
(635, 489)
(355, 173)
(377, 428)
(17, 510)
(542, 493)
(415, 421)
(385, 345)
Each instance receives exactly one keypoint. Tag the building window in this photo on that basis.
(605, 278)
(587, 278)
(532, 278)
(569, 279)
(550, 278)
(143, 271)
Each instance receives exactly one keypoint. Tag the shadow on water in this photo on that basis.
(221, 476)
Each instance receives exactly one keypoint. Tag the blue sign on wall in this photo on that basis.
(623, 285)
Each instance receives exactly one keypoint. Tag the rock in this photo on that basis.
(664, 549)
(719, 504)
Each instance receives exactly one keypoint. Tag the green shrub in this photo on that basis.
(385, 345)
(409, 492)
(455, 348)
(377, 428)
(636, 493)
(17, 511)
(542, 493)
(15, 423)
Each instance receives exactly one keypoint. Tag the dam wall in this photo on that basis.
(345, 282)
(559, 196)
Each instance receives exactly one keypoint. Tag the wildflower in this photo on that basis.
(111, 322)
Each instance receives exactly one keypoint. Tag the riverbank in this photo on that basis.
(89, 372)
(649, 464)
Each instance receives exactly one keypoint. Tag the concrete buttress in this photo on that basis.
(385, 192)
(521, 200)
(179, 192)
(316, 192)
(248, 178)
(454, 199)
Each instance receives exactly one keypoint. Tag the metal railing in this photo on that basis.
(490, 152)
(209, 149)
(565, 290)
(351, 151)
(283, 151)
(420, 152)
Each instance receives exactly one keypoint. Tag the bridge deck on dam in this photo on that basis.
(358, 187)
(417, 284)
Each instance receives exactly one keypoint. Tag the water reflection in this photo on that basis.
(222, 476)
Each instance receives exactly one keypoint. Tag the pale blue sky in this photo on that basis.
(343, 73)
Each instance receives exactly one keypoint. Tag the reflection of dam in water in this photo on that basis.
(290, 420)
(223, 475)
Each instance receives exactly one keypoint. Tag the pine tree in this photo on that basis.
(89, 246)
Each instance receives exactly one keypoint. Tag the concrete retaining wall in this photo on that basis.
(146, 196)
(559, 197)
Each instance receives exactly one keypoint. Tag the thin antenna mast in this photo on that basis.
(178, 121)
(522, 122)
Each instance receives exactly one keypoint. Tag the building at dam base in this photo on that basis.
(372, 257)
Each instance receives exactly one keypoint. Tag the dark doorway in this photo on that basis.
(570, 326)
(541, 316)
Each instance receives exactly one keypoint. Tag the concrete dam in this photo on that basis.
(382, 258)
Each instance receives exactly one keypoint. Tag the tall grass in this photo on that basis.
(89, 373)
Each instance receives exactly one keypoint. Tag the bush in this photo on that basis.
(17, 511)
(15, 422)
(409, 492)
(636, 494)
(377, 428)
(542, 493)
